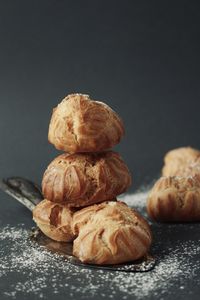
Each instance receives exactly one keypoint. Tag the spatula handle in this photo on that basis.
(23, 190)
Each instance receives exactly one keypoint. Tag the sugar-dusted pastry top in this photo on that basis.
(193, 168)
(110, 233)
(175, 161)
(175, 199)
(54, 220)
(82, 179)
(79, 124)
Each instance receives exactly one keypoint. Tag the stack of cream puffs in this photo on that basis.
(80, 186)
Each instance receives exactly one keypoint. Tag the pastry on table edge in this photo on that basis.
(175, 199)
(54, 220)
(176, 160)
(110, 233)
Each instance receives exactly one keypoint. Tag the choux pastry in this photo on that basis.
(83, 179)
(79, 124)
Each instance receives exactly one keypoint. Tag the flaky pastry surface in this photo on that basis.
(192, 169)
(175, 199)
(82, 179)
(79, 124)
(110, 233)
(54, 220)
(177, 160)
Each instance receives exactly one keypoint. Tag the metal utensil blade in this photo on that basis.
(28, 194)
(146, 264)
(23, 190)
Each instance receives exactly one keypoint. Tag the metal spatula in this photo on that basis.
(29, 194)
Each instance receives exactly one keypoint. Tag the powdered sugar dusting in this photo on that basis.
(30, 270)
(137, 200)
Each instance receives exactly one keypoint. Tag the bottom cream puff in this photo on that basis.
(110, 233)
(54, 220)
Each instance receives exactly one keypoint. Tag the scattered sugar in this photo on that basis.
(30, 270)
(137, 200)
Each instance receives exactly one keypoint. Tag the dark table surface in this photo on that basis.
(142, 58)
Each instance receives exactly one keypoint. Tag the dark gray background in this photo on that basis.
(141, 57)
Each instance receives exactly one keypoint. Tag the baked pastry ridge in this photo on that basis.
(82, 179)
(79, 124)
(192, 169)
(54, 220)
(176, 160)
(175, 199)
(110, 233)
(105, 233)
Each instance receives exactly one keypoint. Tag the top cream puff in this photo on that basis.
(79, 124)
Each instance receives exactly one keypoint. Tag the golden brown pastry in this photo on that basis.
(193, 169)
(83, 179)
(175, 199)
(110, 233)
(54, 220)
(177, 160)
(79, 124)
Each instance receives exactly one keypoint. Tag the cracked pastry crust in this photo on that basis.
(110, 233)
(175, 161)
(175, 199)
(193, 169)
(83, 179)
(54, 220)
(79, 124)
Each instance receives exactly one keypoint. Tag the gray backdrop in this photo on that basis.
(141, 57)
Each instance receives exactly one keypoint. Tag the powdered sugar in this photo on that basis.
(137, 200)
(29, 270)
(174, 269)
